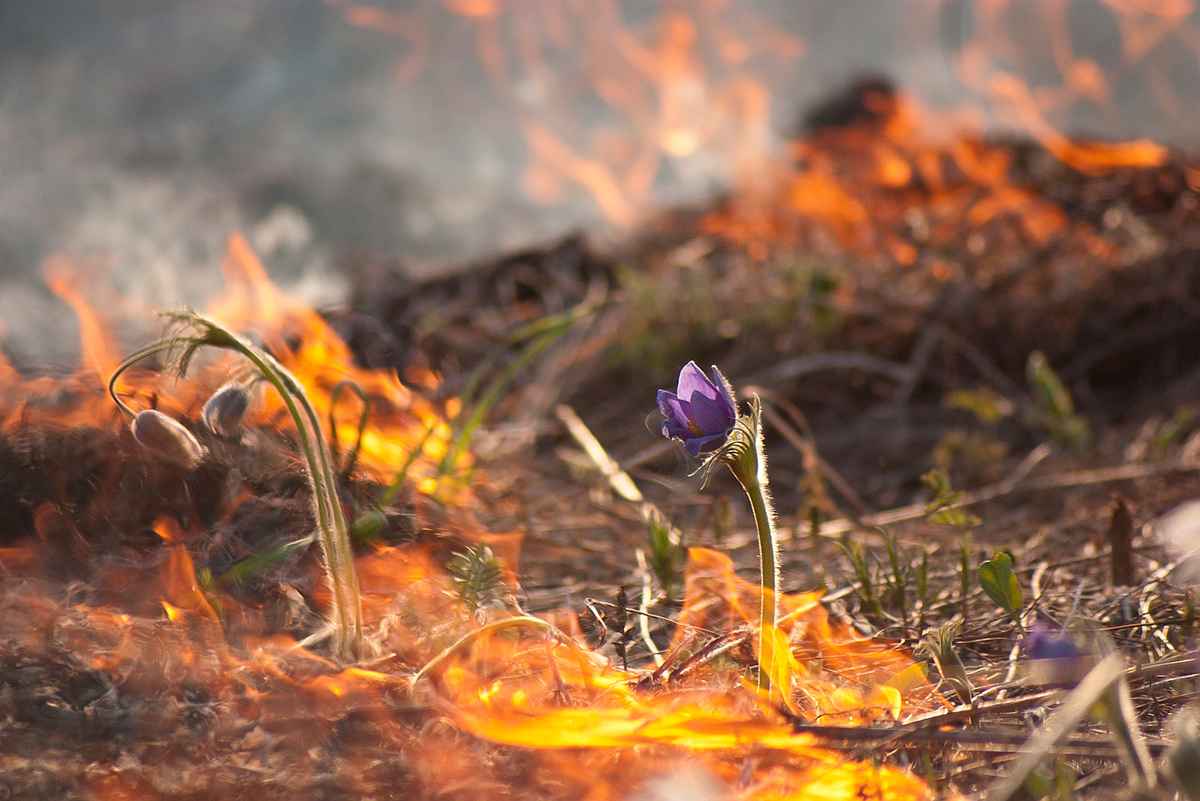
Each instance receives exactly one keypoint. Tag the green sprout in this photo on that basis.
(998, 580)
(478, 578)
(945, 508)
(1054, 409)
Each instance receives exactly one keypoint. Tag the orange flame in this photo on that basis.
(549, 696)
(100, 351)
(399, 420)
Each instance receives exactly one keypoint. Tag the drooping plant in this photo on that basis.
(189, 332)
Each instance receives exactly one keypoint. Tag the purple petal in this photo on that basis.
(693, 381)
(1045, 642)
(676, 424)
(672, 430)
(711, 416)
(674, 410)
(726, 393)
(695, 445)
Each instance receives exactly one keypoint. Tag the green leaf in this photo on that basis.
(1049, 390)
(939, 644)
(944, 509)
(1055, 408)
(862, 570)
(998, 580)
(668, 556)
(986, 404)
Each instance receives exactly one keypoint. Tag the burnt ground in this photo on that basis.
(873, 373)
(863, 364)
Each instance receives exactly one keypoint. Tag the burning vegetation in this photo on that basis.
(294, 553)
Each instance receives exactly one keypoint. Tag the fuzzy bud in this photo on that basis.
(224, 411)
(168, 438)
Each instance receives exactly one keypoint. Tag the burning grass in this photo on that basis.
(173, 640)
(1006, 318)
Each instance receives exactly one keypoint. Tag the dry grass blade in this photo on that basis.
(617, 478)
(1064, 480)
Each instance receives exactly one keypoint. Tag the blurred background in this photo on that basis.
(137, 135)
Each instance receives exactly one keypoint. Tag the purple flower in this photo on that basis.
(700, 412)
(1057, 660)
(1047, 642)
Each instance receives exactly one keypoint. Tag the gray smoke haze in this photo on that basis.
(136, 135)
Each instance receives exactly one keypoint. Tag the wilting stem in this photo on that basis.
(746, 460)
(517, 621)
(333, 533)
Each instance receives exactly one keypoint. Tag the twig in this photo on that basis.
(979, 360)
(643, 618)
(491, 628)
(1064, 480)
(651, 615)
(804, 441)
(617, 478)
(363, 417)
(995, 741)
(917, 364)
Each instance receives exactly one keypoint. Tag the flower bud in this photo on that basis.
(1184, 755)
(223, 412)
(1056, 659)
(167, 437)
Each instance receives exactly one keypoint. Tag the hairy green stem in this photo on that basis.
(768, 566)
(748, 464)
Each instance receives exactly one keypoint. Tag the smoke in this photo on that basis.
(1179, 532)
(136, 136)
(687, 783)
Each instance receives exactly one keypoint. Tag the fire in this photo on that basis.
(472, 708)
(163, 621)
(676, 96)
(399, 420)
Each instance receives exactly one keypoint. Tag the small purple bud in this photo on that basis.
(1057, 660)
(167, 437)
(700, 412)
(223, 412)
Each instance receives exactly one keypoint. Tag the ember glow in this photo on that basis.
(400, 418)
(171, 622)
(659, 100)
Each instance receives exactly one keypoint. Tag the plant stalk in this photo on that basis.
(333, 533)
(768, 563)
(748, 464)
